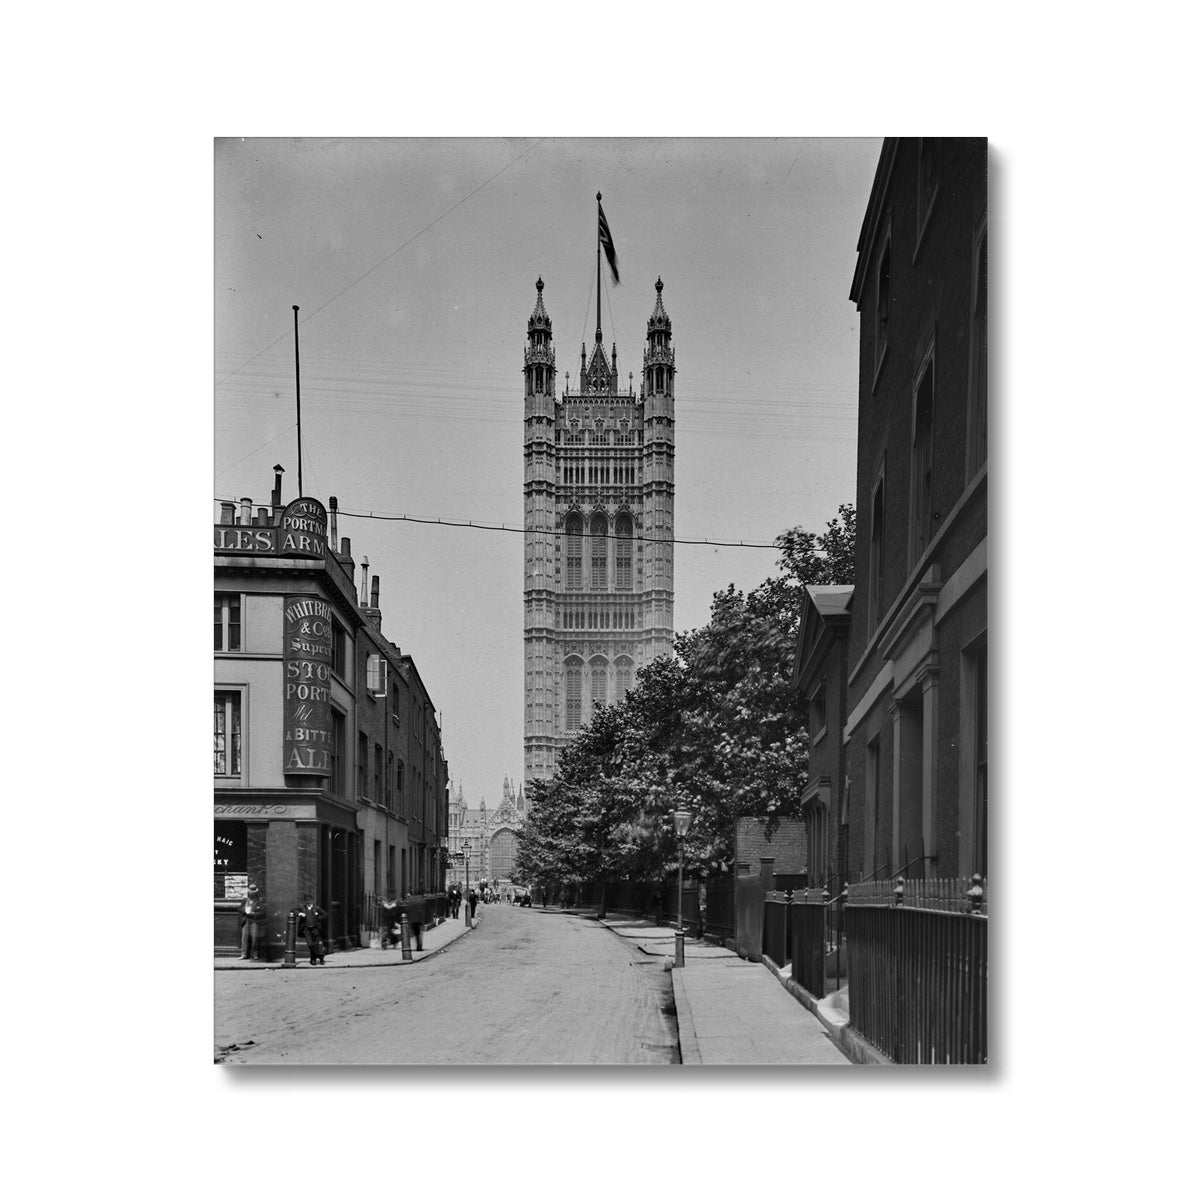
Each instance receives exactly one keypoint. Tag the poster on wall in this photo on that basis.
(307, 663)
(235, 886)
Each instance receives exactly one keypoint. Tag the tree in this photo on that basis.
(715, 728)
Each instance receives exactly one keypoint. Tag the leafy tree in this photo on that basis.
(714, 728)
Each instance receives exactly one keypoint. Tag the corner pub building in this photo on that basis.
(288, 687)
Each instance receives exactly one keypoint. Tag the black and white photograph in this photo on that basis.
(600, 601)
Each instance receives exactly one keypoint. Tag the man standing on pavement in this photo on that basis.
(414, 909)
(455, 901)
(310, 921)
(389, 914)
(473, 900)
(251, 917)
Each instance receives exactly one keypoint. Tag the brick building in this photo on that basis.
(915, 732)
(319, 724)
(820, 675)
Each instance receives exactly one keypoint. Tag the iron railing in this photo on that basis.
(917, 956)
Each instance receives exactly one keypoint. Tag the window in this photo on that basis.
(230, 859)
(391, 872)
(875, 565)
(377, 792)
(574, 551)
(227, 622)
(874, 855)
(391, 767)
(624, 548)
(396, 702)
(599, 674)
(624, 678)
(377, 674)
(977, 400)
(599, 532)
(929, 153)
(816, 711)
(363, 750)
(921, 500)
(339, 649)
(883, 301)
(337, 756)
(574, 694)
(227, 734)
(378, 873)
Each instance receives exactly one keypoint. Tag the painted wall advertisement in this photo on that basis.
(307, 662)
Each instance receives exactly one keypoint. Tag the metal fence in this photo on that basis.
(917, 955)
(777, 928)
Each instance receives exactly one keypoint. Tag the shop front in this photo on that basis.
(287, 847)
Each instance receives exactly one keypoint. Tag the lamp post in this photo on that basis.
(467, 889)
(683, 818)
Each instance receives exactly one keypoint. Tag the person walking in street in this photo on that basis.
(310, 921)
(473, 900)
(455, 901)
(414, 912)
(251, 919)
(389, 927)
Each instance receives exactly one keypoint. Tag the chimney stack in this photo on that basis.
(346, 548)
(366, 566)
(333, 520)
(261, 519)
(226, 512)
(244, 519)
(277, 490)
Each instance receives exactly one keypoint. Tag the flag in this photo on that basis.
(610, 251)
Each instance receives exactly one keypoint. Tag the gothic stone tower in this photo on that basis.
(599, 521)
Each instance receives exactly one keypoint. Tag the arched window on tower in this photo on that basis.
(574, 551)
(599, 551)
(624, 678)
(574, 694)
(624, 552)
(599, 673)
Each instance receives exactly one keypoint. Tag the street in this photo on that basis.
(526, 987)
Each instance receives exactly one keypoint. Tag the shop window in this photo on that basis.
(227, 734)
(230, 872)
(227, 622)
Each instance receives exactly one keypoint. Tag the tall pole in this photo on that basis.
(599, 331)
(679, 930)
(299, 455)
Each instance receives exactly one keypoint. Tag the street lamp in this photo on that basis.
(467, 890)
(683, 818)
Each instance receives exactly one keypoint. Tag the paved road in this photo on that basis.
(526, 987)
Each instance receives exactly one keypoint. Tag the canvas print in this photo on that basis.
(600, 639)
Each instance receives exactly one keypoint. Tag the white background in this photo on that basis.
(108, 309)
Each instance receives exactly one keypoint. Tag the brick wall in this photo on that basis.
(788, 845)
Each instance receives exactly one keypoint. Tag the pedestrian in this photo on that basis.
(389, 923)
(656, 907)
(414, 912)
(473, 900)
(310, 921)
(455, 900)
(251, 920)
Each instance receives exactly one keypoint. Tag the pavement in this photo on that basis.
(433, 939)
(732, 1012)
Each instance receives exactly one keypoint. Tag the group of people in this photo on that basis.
(454, 900)
(392, 916)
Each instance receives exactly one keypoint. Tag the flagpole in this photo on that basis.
(599, 331)
(299, 452)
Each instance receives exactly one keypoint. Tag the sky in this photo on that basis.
(414, 263)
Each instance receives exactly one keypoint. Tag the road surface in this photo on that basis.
(526, 987)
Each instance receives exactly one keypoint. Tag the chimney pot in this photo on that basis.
(227, 512)
(244, 519)
(346, 548)
(374, 591)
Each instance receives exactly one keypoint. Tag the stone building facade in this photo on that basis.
(600, 524)
(486, 838)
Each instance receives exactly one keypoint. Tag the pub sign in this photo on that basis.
(307, 664)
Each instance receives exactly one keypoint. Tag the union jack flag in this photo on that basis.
(610, 251)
